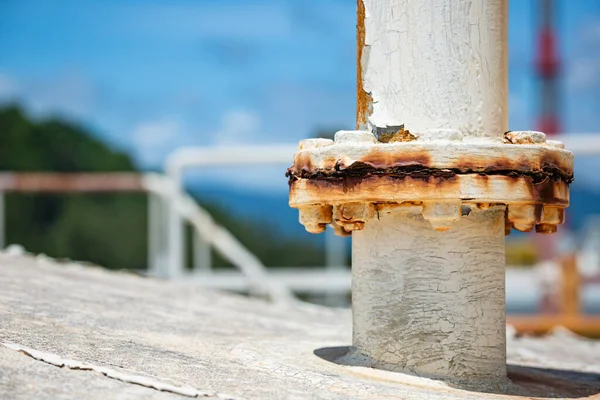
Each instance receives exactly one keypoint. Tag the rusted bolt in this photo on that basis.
(354, 137)
(393, 134)
(524, 217)
(553, 215)
(340, 230)
(307, 144)
(352, 216)
(525, 137)
(315, 218)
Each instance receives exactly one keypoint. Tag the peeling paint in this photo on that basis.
(391, 134)
(438, 64)
(151, 383)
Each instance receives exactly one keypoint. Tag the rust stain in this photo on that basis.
(394, 134)
(364, 100)
(537, 212)
(403, 135)
(510, 138)
(379, 161)
(383, 159)
(413, 186)
(548, 165)
(507, 223)
(543, 185)
(371, 183)
(546, 228)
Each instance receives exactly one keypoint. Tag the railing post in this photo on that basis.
(176, 248)
(202, 254)
(155, 235)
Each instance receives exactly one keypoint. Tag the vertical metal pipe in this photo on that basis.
(154, 234)
(433, 65)
(427, 302)
(431, 303)
(176, 245)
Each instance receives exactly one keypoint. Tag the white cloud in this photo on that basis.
(154, 139)
(238, 127)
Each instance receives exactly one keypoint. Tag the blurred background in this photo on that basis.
(143, 86)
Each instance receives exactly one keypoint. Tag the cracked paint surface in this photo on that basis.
(431, 306)
(462, 73)
(187, 336)
(58, 361)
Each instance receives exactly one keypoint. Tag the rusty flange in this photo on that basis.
(346, 181)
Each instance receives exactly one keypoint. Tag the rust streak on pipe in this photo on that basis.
(363, 99)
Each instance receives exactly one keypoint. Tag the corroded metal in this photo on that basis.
(357, 173)
(71, 182)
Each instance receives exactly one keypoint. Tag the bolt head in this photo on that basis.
(308, 144)
(352, 216)
(340, 230)
(525, 137)
(524, 217)
(553, 215)
(315, 217)
(342, 137)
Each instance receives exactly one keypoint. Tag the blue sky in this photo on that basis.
(149, 76)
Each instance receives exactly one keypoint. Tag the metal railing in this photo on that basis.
(163, 194)
(205, 157)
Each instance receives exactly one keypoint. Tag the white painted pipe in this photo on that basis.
(437, 64)
(581, 144)
(184, 158)
(431, 303)
(202, 254)
(154, 234)
(427, 302)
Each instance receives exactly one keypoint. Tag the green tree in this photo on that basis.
(106, 229)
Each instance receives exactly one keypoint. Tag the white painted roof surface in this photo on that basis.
(121, 336)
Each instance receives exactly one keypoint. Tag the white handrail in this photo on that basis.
(581, 144)
(228, 155)
(211, 156)
(220, 238)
